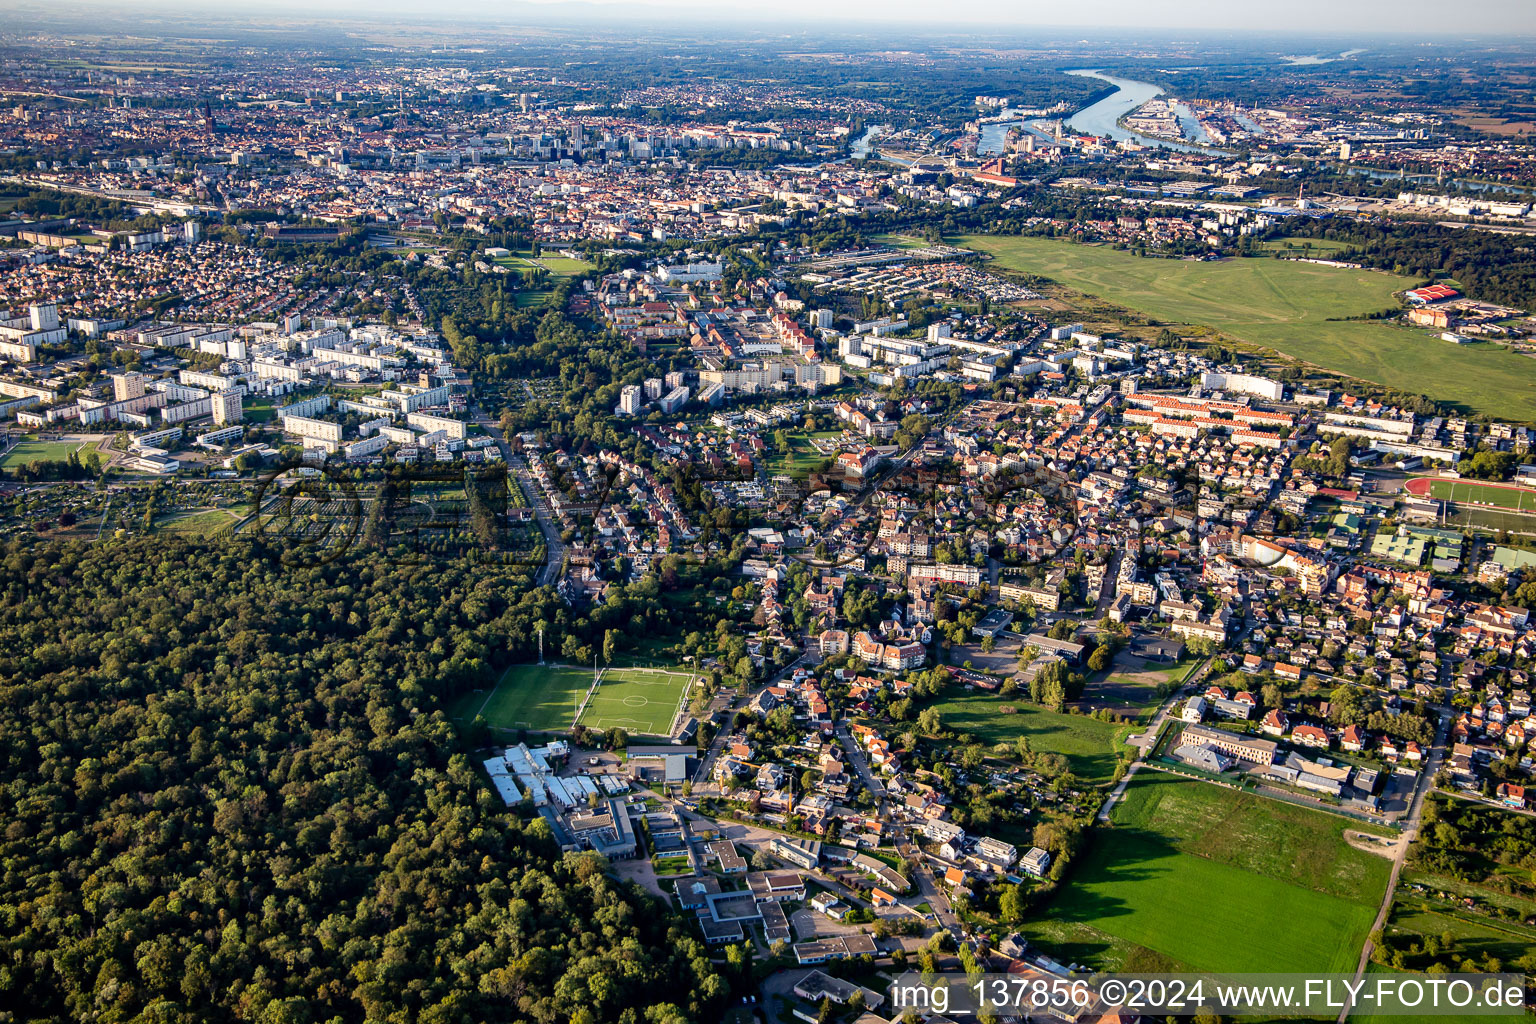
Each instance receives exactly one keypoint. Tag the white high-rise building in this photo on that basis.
(652, 388)
(629, 400)
(228, 407)
(45, 316)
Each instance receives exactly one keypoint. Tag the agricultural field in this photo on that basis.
(1090, 746)
(1190, 867)
(540, 698)
(638, 700)
(1293, 308)
(1518, 499)
(30, 450)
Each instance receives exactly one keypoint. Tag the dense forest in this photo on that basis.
(230, 793)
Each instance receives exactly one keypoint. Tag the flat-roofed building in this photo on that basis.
(228, 406)
(1244, 748)
(804, 853)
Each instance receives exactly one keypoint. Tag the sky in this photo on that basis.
(1290, 17)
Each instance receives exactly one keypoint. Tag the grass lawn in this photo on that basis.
(200, 523)
(1322, 248)
(1488, 519)
(1413, 919)
(1284, 841)
(1212, 879)
(537, 297)
(1443, 883)
(564, 266)
(558, 266)
(676, 865)
(638, 700)
(260, 410)
(1089, 745)
(1377, 970)
(30, 450)
(1516, 498)
(901, 241)
(801, 457)
(1287, 307)
(538, 697)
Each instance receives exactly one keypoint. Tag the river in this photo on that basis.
(994, 134)
(864, 143)
(1102, 118)
(1441, 184)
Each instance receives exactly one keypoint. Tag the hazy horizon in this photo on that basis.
(1301, 18)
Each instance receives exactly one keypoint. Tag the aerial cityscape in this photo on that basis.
(643, 514)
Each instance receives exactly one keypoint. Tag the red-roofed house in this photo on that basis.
(1310, 736)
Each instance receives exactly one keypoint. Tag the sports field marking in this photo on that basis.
(29, 450)
(487, 700)
(644, 700)
(1512, 497)
(542, 698)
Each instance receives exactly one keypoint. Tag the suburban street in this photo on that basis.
(701, 775)
(1145, 739)
(554, 548)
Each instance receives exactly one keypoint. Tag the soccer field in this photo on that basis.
(638, 700)
(29, 451)
(1517, 498)
(1212, 879)
(540, 698)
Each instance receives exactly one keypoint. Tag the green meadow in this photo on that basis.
(1201, 877)
(1292, 308)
